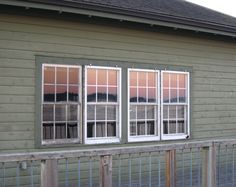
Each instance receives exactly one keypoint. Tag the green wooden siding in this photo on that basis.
(213, 64)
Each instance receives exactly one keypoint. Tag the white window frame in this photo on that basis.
(103, 140)
(187, 125)
(140, 138)
(79, 104)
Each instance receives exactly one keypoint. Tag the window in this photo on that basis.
(83, 103)
(175, 105)
(143, 105)
(61, 98)
(148, 105)
(102, 104)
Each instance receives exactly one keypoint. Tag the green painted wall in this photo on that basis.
(212, 62)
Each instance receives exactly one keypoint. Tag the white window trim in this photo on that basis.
(102, 140)
(180, 135)
(143, 138)
(79, 124)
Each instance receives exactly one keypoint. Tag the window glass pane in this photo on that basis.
(141, 128)
(73, 76)
(60, 112)
(166, 96)
(73, 93)
(165, 112)
(182, 80)
(133, 94)
(49, 93)
(102, 94)
(49, 75)
(47, 131)
(150, 127)
(165, 127)
(61, 93)
(102, 77)
(173, 93)
(60, 130)
(48, 113)
(173, 80)
(112, 78)
(181, 112)
(90, 130)
(111, 129)
(142, 79)
(72, 130)
(133, 129)
(91, 76)
(142, 95)
(133, 112)
(91, 112)
(180, 126)
(182, 95)
(151, 95)
(100, 113)
(100, 129)
(172, 127)
(61, 75)
(166, 80)
(91, 94)
(140, 112)
(172, 112)
(112, 94)
(72, 112)
(152, 79)
(111, 112)
(150, 112)
(133, 78)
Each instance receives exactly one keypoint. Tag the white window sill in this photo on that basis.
(143, 138)
(102, 140)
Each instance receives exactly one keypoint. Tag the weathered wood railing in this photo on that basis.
(198, 163)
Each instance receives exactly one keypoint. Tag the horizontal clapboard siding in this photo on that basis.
(213, 64)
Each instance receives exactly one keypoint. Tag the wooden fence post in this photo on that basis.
(49, 173)
(105, 171)
(171, 168)
(209, 166)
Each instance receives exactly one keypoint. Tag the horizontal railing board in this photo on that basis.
(109, 151)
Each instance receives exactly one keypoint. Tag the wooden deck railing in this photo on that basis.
(200, 163)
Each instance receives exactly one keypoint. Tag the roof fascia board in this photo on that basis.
(120, 17)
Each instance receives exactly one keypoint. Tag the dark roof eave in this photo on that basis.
(127, 15)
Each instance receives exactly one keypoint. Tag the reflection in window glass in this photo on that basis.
(49, 93)
(143, 89)
(111, 129)
(91, 94)
(48, 112)
(141, 128)
(72, 130)
(72, 112)
(73, 93)
(74, 76)
(111, 113)
(48, 131)
(60, 130)
(112, 78)
(49, 75)
(61, 87)
(61, 94)
(101, 77)
(102, 102)
(100, 129)
(101, 94)
(150, 128)
(175, 102)
(61, 73)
